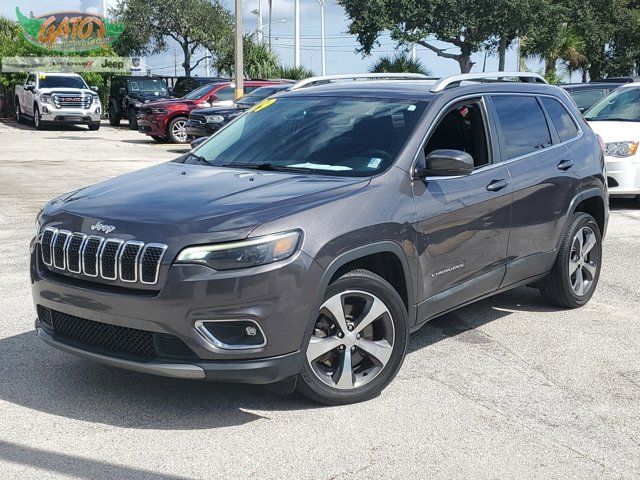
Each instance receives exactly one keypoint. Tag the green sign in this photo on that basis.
(69, 31)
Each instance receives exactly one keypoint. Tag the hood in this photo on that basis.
(170, 101)
(67, 90)
(217, 110)
(616, 131)
(179, 203)
(149, 96)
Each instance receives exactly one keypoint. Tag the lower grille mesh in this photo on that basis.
(121, 341)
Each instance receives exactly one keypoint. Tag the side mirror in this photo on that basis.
(447, 163)
(122, 91)
(30, 88)
(94, 88)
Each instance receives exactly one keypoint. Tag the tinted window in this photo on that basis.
(56, 81)
(226, 93)
(523, 124)
(586, 98)
(560, 118)
(199, 92)
(330, 135)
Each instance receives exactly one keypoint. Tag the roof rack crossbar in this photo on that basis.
(321, 80)
(470, 77)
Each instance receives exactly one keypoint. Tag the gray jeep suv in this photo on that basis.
(305, 240)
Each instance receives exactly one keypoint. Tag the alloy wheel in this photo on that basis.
(179, 131)
(583, 261)
(36, 119)
(352, 340)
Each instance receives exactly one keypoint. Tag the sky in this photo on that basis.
(341, 47)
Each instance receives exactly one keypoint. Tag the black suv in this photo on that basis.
(129, 93)
(185, 85)
(204, 122)
(307, 238)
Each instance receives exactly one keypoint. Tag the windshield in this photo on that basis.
(329, 135)
(55, 81)
(148, 85)
(260, 94)
(198, 92)
(622, 104)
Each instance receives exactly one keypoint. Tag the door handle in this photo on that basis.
(496, 185)
(565, 165)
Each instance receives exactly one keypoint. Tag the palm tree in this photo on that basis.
(400, 63)
(562, 45)
(293, 73)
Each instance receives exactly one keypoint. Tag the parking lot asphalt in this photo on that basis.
(505, 388)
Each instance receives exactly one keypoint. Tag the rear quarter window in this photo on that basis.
(524, 125)
(562, 121)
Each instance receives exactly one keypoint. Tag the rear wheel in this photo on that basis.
(114, 117)
(575, 274)
(19, 117)
(178, 130)
(358, 342)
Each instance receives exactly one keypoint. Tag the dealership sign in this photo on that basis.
(69, 31)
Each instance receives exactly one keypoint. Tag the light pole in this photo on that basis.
(322, 45)
(258, 12)
(270, 10)
(296, 35)
(239, 57)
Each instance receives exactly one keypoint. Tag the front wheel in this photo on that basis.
(19, 117)
(575, 274)
(358, 341)
(133, 119)
(37, 120)
(94, 126)
(178, 130)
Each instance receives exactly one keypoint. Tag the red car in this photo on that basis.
(166, 119)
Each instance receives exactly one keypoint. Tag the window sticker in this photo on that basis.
(411, 108)
(42, 76)
(374, 162)
(319, 166)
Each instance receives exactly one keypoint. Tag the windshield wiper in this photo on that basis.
(199, 158)
(610, 119)
(270, 167)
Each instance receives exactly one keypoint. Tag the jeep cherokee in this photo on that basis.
(305, 240)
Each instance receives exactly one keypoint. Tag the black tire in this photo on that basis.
(309, 382)
(558, 288)
(133, 119)
(37, 120)
(114, 117)
(19, 117)
(94, 126)
(172, 133)
(158, 139)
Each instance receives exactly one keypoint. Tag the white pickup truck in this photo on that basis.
(57, 98)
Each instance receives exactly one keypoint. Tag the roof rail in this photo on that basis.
(470, 77)
(312, 81)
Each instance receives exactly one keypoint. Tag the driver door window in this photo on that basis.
(462, 128)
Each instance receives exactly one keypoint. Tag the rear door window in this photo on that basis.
(565, 126)
(585, 99)
(225, 93)
(524, 125)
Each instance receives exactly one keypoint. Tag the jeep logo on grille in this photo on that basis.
(101, 227)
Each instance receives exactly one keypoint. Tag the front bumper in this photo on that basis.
(623, 176)
(197, 129)
(50, 114)
(260, 371)
(278, 297)
(152, 125)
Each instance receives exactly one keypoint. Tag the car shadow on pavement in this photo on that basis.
(616, 204)
(41, 378)
(74, 466)
(29, 126)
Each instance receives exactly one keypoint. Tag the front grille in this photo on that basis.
(114, 339)
(107, 258)
(61, 100)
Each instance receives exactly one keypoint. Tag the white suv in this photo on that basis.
(616, 118)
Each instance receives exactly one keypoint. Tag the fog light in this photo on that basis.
(231, 334)
(45, 110)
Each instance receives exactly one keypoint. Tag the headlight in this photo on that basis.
(46, 98)
(243, 254)
(214, 118)
(137, 104)
(159, 110)
(621, 149)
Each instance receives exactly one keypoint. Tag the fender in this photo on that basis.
(356, 253)
(593, 192)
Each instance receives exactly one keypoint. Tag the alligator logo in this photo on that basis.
(101, 227)
(69, 31)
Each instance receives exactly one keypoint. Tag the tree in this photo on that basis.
(259, 60)
(400, 63)
(467, 25)
(293, 73)
(193, 24)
